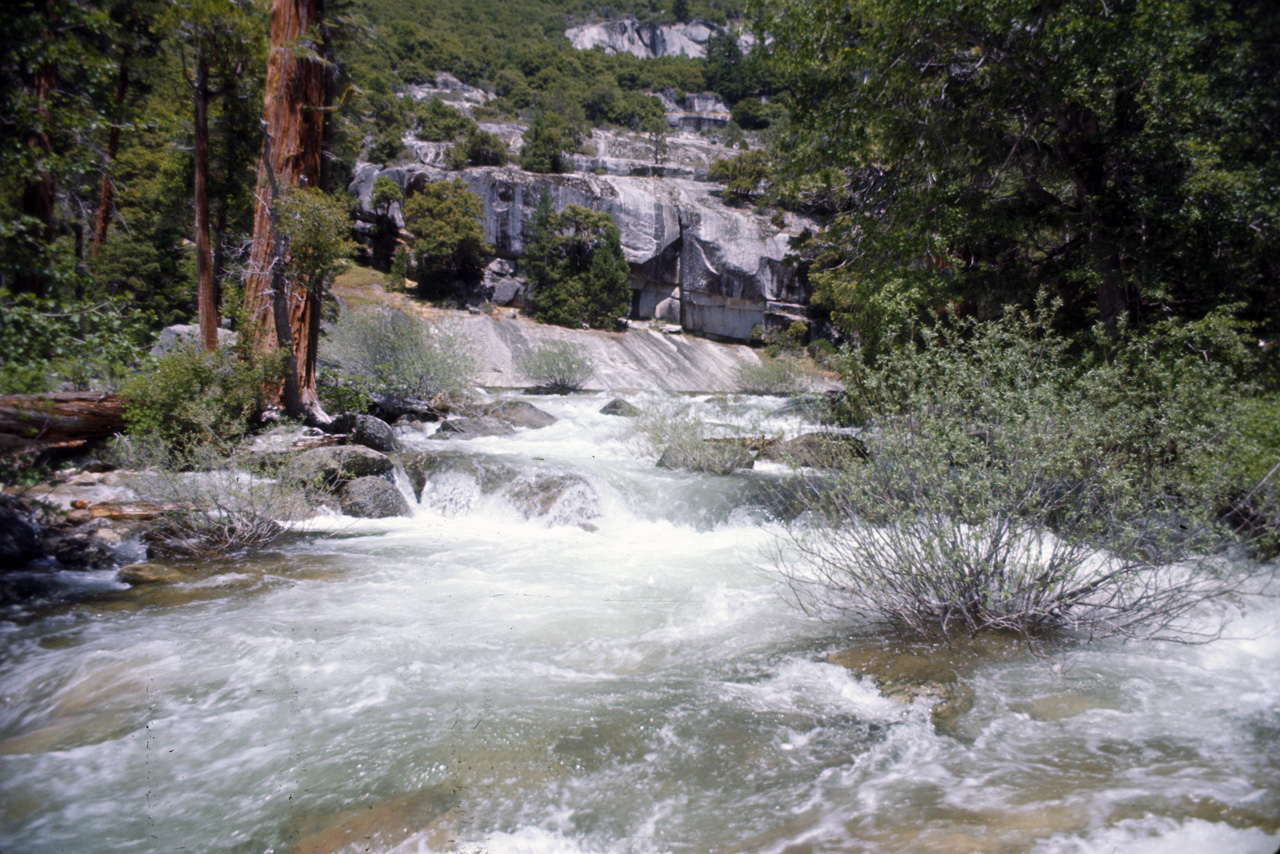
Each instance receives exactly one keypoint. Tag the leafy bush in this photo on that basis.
(557, 367)
(191, 397)
(440, 122)
(480, 148)
(743, 176)
(87, 345)
(391, 352)
(1013, 485)
(547, 144)
(782, 376)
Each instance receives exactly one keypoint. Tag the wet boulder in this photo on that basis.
(367, 431)
(817, 450)
(337, 465)
(710, 456)
(473, 428)
(620, 407)
(489, 475)
(560, 498)
(373, 498)
(519, 413)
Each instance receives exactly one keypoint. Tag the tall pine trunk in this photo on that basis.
(206, 307)
(284, 314)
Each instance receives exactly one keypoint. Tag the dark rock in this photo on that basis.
(618, 406)
(337, 465)
(98, 466)
(473, 428)
(519, 413)
(373, 498)
(366, 430)
(79, 551)
(390, 407)
(817, 450)
(19, 534)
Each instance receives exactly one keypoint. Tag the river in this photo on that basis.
(619, 674)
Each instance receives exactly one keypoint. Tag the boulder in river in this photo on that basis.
(519, 413)
(366, 430)
(618, 406)
(337, 465)
(473, 428)
(373, 498)
(817, 450)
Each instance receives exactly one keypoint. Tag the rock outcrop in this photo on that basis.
(713, 269)
(648, 41)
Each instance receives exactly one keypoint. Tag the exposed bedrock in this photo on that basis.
(712, 269)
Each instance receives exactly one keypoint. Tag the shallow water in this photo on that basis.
(474, 680)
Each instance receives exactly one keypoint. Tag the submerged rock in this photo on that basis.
(548, 495)
(373, 498)
(149, 573)
(490, 475)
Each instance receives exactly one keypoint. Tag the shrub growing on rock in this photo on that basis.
(1011, 485)
(557, 367)
(386, 352)
(784, 375)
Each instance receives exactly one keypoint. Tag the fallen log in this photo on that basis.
(42, 419)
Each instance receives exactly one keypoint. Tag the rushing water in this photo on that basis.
(619, 674)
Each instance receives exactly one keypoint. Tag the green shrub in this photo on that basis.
(87, 345)
(444, 217)
(783, 375)
(390, 352)
(557, 367)
(190, 397)
(1015, 485)
(480, 148)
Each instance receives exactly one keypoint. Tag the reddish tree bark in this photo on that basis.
(107, 189)
(281, 313)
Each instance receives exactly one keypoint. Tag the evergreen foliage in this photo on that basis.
(547, 145)
(578, 272)
(444, 218)
(1119, 154)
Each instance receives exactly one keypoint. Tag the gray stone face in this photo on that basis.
(648, 41)
(713, 269)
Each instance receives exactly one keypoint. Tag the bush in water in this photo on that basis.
(682, 439)
(557, 367)
(218, 503)
(1014, 486)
